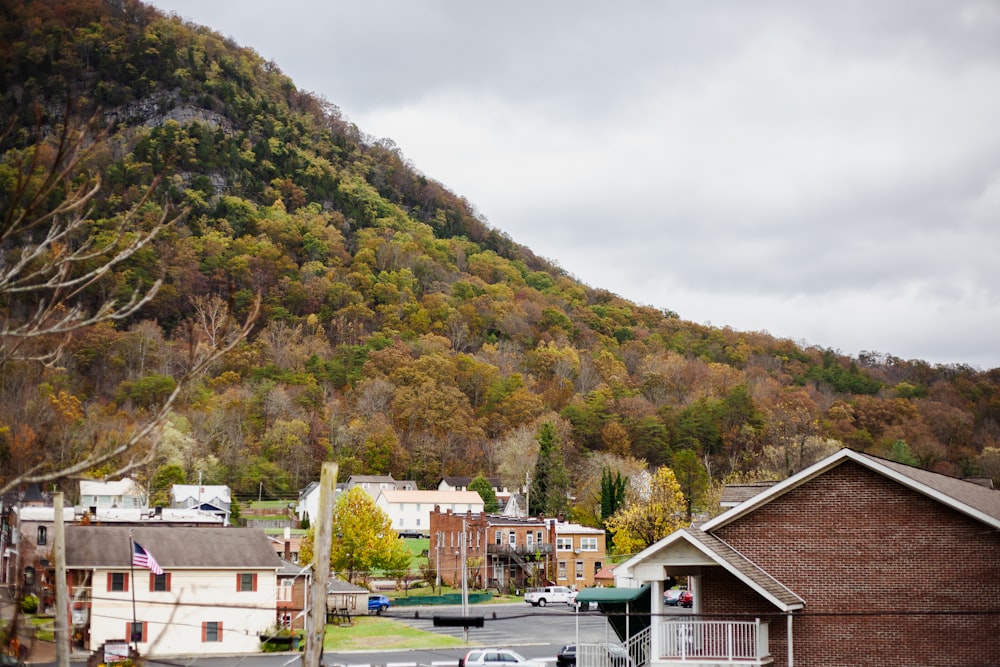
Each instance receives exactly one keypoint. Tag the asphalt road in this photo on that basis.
(535, 632)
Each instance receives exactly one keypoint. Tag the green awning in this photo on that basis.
(616, 603)
(621, 595)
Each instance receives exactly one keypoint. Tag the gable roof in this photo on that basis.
(358, 479)
(976, 501)
(181, 548)
(202, 493)
(734, 494)
(711, 548)
(341, 586)
(120, 487)
(435, 497)
(465, 481)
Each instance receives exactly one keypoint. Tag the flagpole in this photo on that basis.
(131, 565)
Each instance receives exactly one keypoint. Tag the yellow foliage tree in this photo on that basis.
(363, 540)
(649, 514)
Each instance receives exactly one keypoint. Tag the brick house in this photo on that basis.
(501, 552)
(580, 553)
(856, 560)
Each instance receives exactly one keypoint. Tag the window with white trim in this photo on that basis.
(588, 544)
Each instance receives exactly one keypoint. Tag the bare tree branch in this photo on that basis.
(50, 274)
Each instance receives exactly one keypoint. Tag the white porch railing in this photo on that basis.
(697, 640)
(638, 648)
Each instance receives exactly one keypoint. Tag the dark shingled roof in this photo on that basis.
(750, 570)
(231, 548)
(733, 494)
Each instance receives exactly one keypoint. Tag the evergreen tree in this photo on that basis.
(550, 483)
(482, 486)
(612, 496)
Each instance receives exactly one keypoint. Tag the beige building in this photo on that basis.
(579, 554)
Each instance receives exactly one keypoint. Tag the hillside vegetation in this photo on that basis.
(399, 332)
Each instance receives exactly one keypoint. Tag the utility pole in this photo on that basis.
(437, 561)
(62, 620)
(316, 620)
(527, 494)
(465, 580)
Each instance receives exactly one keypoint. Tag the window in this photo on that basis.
(597, 566)
(512, 538)
(564, 544)
(538, 537)
(136, 632)
(529, 539)
(499, 537)
(562, 570)
(211, 631)
(285, 590)
(418, 522)
(42, 534)
(588, 544)
(159, 582)
(118, 581)
(579, 569)
(246, 582)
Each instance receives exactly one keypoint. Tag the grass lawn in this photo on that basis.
(368, 631)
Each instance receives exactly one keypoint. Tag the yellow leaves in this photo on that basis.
(649, 514)
(67, 407)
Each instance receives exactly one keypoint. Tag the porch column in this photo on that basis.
(791, 650)
(694, 585)
(656, 622)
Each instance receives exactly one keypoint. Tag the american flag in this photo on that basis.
(143, 558)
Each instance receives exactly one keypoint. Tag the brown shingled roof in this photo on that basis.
(748, 570)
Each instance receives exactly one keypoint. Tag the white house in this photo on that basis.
(375, 484)
(209, 498)
(123, 493)
(410, 511)
(217, 593)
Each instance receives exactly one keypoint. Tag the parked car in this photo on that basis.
(10, 661)
(617, 655)
(539, 597)
(378, 603)
(686, 599)
(672, 596)
(583, 606)
(566, 657)
(496, 657)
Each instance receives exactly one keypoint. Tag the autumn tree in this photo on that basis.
(363, 539)
(649, 514)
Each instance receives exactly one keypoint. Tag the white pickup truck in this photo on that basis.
(539, 597)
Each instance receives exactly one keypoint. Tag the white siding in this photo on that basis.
(174, 619)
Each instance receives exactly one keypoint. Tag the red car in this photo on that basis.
(686, 599)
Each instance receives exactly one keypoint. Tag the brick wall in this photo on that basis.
(889, 576)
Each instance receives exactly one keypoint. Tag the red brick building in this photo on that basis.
(854, 561)
(501, 552)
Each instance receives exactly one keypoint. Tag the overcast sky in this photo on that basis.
(824, 171)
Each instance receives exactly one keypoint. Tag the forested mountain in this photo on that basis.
(397, 333)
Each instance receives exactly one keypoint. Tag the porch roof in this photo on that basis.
(693, 547)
